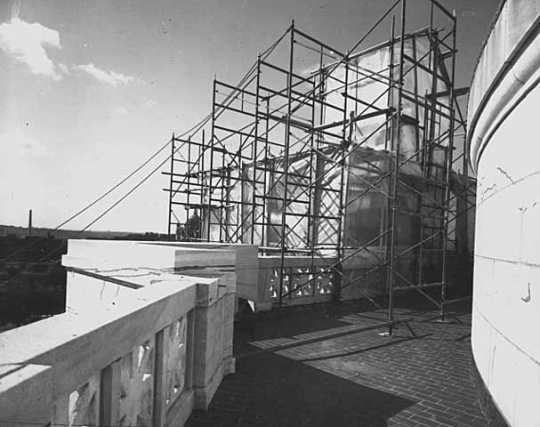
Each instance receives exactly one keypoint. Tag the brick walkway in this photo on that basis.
(363, 379)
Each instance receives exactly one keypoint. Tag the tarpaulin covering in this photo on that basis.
(368, 80)
(318, 183)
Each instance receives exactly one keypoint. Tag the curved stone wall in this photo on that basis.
(504, 149)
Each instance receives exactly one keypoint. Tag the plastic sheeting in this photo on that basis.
(313, 217)
(368, 80)
(366, 195)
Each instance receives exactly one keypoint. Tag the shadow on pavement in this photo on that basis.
(271, 390)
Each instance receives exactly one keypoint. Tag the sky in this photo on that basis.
(89, 89)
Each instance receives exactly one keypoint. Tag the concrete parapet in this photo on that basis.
(140, 344)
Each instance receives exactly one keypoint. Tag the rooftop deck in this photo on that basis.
(362, 379)
(148, 338)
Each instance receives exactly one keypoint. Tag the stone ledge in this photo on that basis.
(509, 87)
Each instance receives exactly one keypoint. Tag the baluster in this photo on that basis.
(110, 395)
(160, 378)
(61, 411)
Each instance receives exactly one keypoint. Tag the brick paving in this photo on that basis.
(362, 379)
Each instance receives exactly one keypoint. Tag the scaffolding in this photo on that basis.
(351, 161)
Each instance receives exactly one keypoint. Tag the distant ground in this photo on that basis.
(6, 230)
(32, 279)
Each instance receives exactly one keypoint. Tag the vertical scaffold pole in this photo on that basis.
(265, 221)
(389, 127)
(394, 158)
(254, 156)
(189, 170)
(171, 188)
(342, 183)
(419, 147)
(312, 168)
(202, 182)
(286, 165)
(389, 136)
(311, 242)
(449, 161)
(211, 167)
(318, 169)
(222, 188)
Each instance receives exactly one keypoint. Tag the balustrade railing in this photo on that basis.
(145, 356)
(305, 280)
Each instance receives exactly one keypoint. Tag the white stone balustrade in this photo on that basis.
(146, 338)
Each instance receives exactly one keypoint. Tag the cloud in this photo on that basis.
(17, 143)
(110, 77)
(27, 43)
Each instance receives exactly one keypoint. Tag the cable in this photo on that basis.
(231, 96)
(195, 129)
(127, 194)
(60, 246)
(98, 199)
